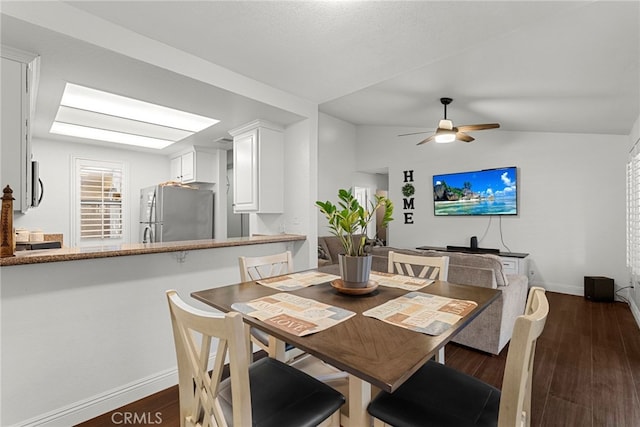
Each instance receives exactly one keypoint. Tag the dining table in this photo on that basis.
(372, 352)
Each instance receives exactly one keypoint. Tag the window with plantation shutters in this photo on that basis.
(633, 213)
(99, 201)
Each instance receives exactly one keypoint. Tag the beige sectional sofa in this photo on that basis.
(492, 329)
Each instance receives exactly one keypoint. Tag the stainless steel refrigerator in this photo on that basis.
(172, 213)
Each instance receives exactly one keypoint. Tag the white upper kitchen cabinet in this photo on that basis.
(258, 168)
(19, 79)
(195, 165)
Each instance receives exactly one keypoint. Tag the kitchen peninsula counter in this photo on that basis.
(81, 253)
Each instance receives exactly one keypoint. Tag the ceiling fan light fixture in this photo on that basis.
(446, 132)
(444, 136)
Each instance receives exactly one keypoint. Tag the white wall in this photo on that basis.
(571, 198)
(301, 180)
(55, 158)
(338, 165)
(336, 156)
(634, 138)
(336, 161)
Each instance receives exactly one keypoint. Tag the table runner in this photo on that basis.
(296, 315)
(291, 282)
(420, 312)
(399, 281)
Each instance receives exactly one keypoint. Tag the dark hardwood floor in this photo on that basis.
(586, 372)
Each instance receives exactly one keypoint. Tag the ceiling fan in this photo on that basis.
(446, 132)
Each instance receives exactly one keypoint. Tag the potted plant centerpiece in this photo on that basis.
(349, 221)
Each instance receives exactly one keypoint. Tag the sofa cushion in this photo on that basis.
(323, 251)
(333, 246)
(383, 251)
(484, 261)
(518, 280)
(474, 276)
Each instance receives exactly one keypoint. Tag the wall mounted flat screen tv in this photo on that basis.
(483, 192)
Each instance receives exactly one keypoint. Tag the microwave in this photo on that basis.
(37, 188)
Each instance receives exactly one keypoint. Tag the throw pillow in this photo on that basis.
(322, 254)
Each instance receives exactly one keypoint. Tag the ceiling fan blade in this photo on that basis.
(426, 140)
(466, 128)
(414, 133)
(461, 136)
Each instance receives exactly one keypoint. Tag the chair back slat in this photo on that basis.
(256, 268)
(436, 268)
(515, 402)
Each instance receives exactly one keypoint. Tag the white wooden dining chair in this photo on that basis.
(266, 393)
(426, 267)
(262, 267)
(256, 268)
(437, 395)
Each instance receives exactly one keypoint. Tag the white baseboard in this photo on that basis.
(108, 401)
(561, 288)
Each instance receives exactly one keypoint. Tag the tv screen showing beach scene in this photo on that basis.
(484, 192)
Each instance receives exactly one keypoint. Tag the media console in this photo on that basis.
(472, 250)
(512, 262)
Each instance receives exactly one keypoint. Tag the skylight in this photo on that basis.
(94, 114)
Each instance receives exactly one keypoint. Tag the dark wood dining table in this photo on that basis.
(372, 352)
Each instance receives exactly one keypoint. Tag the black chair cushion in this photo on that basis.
(284, 396)
(263, 337)
(437, 395)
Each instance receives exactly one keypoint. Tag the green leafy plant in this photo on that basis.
(349, 218)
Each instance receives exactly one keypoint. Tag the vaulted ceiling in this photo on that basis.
(532, 66)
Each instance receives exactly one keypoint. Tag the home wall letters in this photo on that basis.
(408, 191)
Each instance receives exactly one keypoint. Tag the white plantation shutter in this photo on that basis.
(633, 213)
(99, 202)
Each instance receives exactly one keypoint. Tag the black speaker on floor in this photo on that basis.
(598, 288)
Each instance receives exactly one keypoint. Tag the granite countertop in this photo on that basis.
(72, 254)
